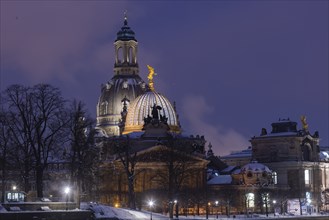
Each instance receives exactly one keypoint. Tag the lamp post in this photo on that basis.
(274, 202)
(207, 210)
(176, 207)
(67, 191)
(216, 203)
(151, 203)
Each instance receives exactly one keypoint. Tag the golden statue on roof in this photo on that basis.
(150, 77)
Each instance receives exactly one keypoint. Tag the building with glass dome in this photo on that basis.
(144, 153)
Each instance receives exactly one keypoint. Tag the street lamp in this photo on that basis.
(274, 202)
(151, 203)
(176, 207)
(14, 187)
(67, 191)
(216, 203)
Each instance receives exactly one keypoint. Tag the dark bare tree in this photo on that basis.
(83, 154)
(39, 119)
(5, 152)
(15, 102)
(122, 148)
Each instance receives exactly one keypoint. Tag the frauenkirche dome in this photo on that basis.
(125, 84)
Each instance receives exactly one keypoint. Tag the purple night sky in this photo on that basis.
(233, 67)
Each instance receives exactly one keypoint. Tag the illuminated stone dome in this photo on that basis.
(141, 108)
(256, 174)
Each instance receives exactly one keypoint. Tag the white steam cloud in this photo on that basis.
(224, 140)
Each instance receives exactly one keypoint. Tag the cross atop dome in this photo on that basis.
(125, 16)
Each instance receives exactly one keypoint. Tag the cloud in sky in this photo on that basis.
(198, 114)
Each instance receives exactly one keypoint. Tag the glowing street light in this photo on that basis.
(216, 203)
(274, 202)
(14, 187)
(176, 207)
(67, 191)
(151, 203)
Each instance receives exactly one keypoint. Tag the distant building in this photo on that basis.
(294, 163)
(295, 157)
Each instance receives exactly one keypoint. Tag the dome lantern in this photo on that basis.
(125, 51)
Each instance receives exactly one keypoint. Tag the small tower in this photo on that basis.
(125, 51)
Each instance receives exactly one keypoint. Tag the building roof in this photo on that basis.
(324, 156)
(221, 179)
(141, 108)
(255, 167)
(239, 154)
(126, 33)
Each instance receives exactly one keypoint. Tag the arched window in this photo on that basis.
(306, 148)
(307, 177)
(119, 55)
(104, 107)
(131, 55)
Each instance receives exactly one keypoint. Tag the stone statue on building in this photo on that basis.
(155, 111)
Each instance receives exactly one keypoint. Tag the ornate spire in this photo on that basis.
(150, 77)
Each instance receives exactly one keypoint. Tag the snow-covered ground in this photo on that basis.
(107, 212)
(102, 211)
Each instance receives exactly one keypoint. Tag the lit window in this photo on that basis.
(275, 177)
(250, 197)
(307, 177)
(308, 198)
